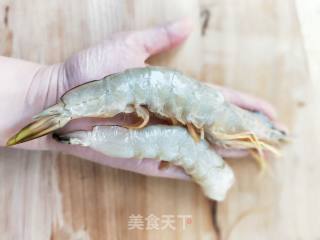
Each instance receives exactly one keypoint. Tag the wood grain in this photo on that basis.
(266, 48)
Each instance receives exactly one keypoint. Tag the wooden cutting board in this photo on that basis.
(266, 48)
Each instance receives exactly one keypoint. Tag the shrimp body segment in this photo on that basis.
(162, 142)
(166, 93)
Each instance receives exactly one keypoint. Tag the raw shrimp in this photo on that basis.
(162, 142)
(168, 94)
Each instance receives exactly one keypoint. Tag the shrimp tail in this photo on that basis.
(44, 123)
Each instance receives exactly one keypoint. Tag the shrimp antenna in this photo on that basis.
(249, 140)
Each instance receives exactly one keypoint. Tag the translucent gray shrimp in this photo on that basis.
(162, 142)
(168, 94)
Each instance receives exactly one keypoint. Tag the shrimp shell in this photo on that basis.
(162, 142)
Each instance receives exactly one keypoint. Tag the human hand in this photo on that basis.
(41, 86)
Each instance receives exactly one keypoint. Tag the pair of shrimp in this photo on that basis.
(169, 95)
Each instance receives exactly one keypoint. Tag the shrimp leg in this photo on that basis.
(193, 132)
(161, 142)
(164, 165)
(142, 113)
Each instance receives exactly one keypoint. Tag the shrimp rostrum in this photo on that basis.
(167, 94)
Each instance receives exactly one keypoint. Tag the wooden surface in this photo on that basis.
(268, 48)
